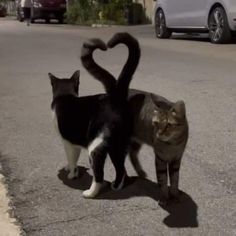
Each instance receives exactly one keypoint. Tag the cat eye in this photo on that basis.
(155, 112)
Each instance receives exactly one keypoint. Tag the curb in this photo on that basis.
(8, 225)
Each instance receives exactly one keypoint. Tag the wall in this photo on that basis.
(148, 6)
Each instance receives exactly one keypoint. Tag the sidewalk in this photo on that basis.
(7, 224)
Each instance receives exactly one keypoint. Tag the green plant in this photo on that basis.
(100, 11)
(81, 12)
(113, 12)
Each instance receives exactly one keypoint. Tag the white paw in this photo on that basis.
(88, 194)
(73, 174)
(93, 191)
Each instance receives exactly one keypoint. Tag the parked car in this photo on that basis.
(218, 17)
(44, 9)
(3, 11)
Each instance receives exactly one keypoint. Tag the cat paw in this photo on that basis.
(117, 187)
(88, 194)
(73, 174)
(164, 196)
(175, 195)
(163, 202)
(93, 191)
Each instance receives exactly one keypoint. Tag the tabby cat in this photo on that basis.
(158, 123)
(98, 123)
(162, 125)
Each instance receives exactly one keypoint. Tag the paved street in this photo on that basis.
(46, 203)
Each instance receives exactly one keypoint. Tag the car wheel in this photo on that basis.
(219, 30)
(32, 20)
(160, 25)
(47, 20)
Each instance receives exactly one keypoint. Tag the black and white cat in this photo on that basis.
(98, 123)
(158, 123)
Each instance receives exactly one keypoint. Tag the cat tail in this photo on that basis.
(131, 64)
(108, 81)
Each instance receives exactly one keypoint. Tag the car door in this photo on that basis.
(185, 13)
(197, 13)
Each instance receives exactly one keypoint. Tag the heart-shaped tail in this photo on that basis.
(131, 64)
(108, 81)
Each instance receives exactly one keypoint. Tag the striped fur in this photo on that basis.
(157, 122)
(162, 125)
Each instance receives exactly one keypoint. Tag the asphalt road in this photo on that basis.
(48, 204)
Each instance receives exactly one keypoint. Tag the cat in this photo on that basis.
(162, 125)
(98, 123)
(158, 123)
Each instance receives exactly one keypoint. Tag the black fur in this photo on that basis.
(82, 119)
(167, 139)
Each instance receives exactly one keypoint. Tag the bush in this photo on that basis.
(101, 11)
(81, 12)
(113, 12)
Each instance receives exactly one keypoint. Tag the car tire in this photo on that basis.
(32, 20)
(218, 25)
(160, 25)
(47, 20)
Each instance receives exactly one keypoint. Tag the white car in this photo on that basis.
(218, 17)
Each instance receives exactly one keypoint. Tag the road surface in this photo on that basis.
(46, 203)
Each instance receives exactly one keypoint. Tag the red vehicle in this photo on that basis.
(44, 9)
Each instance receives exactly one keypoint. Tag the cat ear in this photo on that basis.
(154, 100)
(52, 77)
(76, 77)
(178, 110)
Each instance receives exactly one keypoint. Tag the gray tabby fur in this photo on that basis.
(162, 125)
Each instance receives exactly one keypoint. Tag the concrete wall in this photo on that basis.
(148, 6)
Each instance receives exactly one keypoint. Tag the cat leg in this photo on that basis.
(174, 179)
(133, 154)
(97, 158)
(72, 154)
(118, 160)
(162, 179)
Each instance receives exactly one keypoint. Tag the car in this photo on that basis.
(3, 11)
(216, 17)
(44, 9)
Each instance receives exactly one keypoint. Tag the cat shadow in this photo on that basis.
(181, 215)
(82, 183)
